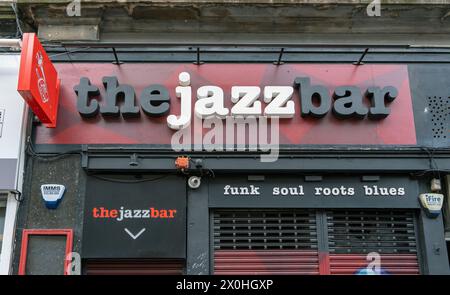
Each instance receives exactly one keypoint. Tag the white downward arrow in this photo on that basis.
(136, 235)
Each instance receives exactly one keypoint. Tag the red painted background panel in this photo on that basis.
(397, 129)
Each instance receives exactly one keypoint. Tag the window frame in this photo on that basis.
(3, 204)
(26, 233)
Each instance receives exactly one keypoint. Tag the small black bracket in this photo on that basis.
(134, 160)
(279, 62)
(359, 62)
(198, 62)
(17, 195)
(117, 61)
(313, 178)
(84, 156)
(370, 178)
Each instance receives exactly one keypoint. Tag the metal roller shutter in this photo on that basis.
(134, 267)
(265, 242)
(352, 234)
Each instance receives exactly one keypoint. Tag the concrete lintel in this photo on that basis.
(67, 32)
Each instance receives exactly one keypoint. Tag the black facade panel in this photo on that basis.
(32, 211)
(128, 216)
(331, 192)
(430, 90)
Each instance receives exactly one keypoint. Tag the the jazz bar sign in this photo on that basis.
(314, 192)
(345, 102)
(312, 104)
(135, 217)
(38, 80)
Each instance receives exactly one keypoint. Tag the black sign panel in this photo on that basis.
(301, 192)
(129, 217)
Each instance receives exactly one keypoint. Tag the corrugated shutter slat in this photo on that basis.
(355, 233)
(265, 242)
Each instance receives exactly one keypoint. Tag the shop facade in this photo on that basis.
(148, 192)
(12, 141)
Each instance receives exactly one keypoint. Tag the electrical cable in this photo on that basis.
(19, 32)
(32, 152)
(115, 180)
(69, 52)
(18, 196)
(434, 168)
(211, 172)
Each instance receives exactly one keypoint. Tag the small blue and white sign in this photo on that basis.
(52, 194)
(432, 204)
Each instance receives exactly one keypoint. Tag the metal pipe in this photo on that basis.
(15, 43)
(220, 44)
(279, 62)
(198, 62)
(359, 62)
(117, 61)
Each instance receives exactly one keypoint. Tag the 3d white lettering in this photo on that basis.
(245, 99)
(184, 92)
(279, 101)
(210, 102)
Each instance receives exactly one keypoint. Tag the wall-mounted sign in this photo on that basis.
(52, 194)
(38, 80)
(315, 103)
(432, 203)
(295, 192)
(12, 123)
(345, 102)
(129, 217)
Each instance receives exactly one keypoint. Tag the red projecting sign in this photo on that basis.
(38, 80)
